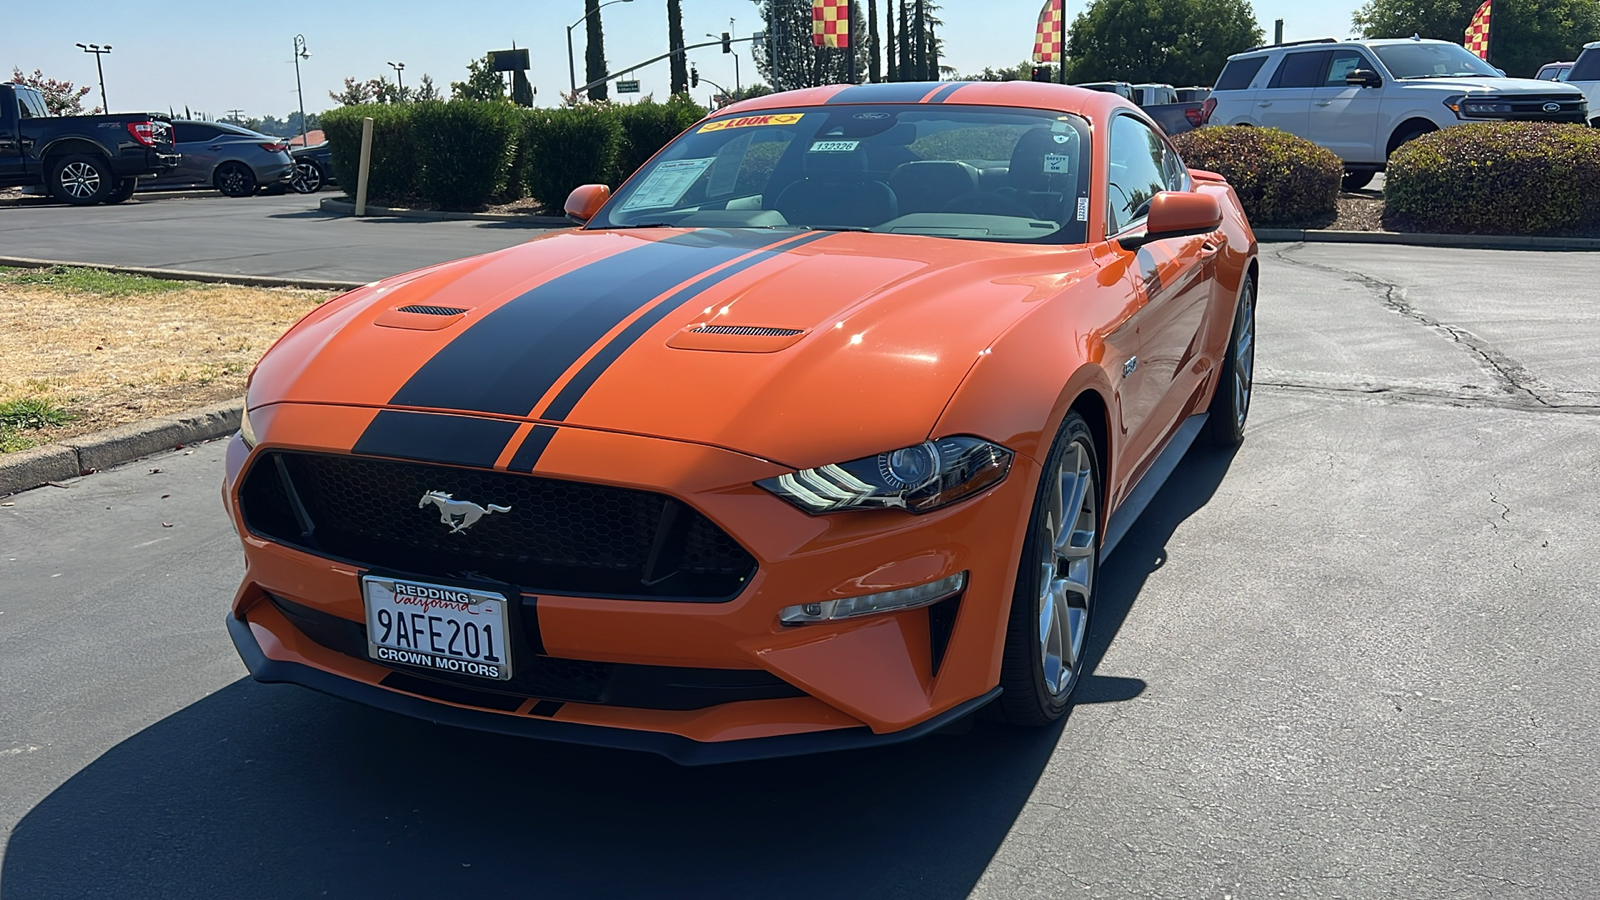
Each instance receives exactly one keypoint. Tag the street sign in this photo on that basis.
(627, 87)
(509, 60)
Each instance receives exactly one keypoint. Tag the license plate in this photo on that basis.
(434, 626)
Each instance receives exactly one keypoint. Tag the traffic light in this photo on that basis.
(1042, 73)
(694, 77)
(727, 42)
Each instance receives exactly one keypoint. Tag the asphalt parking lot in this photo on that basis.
(1354, 659)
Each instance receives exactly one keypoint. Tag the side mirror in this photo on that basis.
(1178, 214)
(1364, 78)
(585, 201)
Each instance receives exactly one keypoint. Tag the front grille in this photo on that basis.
(746, 330)
(432, 310)
(1526, 107)
(563, 537)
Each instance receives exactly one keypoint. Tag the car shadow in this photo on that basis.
(274, 791)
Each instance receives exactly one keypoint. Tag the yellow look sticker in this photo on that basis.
(752, 121)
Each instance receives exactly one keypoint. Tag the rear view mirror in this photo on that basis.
(1364, 78)
(585, 201)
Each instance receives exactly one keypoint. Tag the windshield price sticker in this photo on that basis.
(834, 146)
(752, 122)
(1057, 164)
(432, 626)
(1083, 209)
(667, 183)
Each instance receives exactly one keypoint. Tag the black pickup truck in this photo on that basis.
(81, 159)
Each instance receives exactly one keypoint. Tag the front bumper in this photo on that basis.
(875, 679)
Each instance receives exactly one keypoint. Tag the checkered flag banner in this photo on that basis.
(1477, 39)
(1047, 38)
(830, 23)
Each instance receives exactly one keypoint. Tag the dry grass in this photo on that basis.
(114, 349)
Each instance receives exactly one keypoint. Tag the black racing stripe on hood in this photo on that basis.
(435, 438)
(574, 390)
(901, 92)
(532, 447)
(506, 361)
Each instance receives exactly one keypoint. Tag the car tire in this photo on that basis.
(1047, 632)
(1355, 181)
(234, 179)
(308, 177)
(81, 179)
(122, 191)
(1402, 138)
(1230, 402)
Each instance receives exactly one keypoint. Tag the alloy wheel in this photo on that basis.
(1067, 568)
(1244, 358)
(307, 178)
(80, 179)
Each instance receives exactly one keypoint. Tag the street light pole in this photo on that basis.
(99, 51)
(300, 52)
(572, 68)
(399, 81)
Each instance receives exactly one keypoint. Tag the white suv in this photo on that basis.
(1585, 76)
(1363, 99)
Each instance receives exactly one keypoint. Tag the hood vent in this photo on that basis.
(432, 310)
(747, 330)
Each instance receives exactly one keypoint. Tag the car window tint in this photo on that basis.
(1138, 173)
(1586, 68)
(1344, 62)
(1238, 73)
(193, 132)
(1300, 70)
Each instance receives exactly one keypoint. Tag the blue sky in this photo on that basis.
(219, 57)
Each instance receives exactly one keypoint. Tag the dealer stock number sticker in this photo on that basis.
(433, 626)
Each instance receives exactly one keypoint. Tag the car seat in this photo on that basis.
(930, 185)
(836, 191)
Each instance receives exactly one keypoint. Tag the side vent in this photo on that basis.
(747, 330)
(432, 310)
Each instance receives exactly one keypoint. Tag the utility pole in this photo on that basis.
(235, 115)
(98, 52)
(300, 52)
(399, 81)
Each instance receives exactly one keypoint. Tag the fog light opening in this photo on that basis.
(873, 604)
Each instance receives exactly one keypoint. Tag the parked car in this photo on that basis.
(313, 168)
(79, 159)
(1193, 94)
(1148, 95)
(1556, 71)
(1585, 76)
(1363, 99)
(236, 161)
(1162, 103)
(780, 452)
(1120, 88)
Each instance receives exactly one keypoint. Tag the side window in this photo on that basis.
(23, 109)
(1238, 73)
(33, 103)
(1139, 171)
(1344, 62)
(192, 132)
(1301, 70)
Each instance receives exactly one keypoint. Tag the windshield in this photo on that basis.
(967, 172)
(1433, 61)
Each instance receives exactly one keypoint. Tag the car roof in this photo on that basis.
(1330, 43)
(1022, 94)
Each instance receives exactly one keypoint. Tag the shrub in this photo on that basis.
(1497, 178)
(647, 127)
(466, 156)
(1280, 179)
(392, 179)
(568, 148)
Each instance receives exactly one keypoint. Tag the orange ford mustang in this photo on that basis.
(814, 435)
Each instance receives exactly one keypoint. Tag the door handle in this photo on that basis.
(1324, 102)
(1265, 103)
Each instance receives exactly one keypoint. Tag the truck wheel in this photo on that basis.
(81, 179)
(122, 191)
(235, 179)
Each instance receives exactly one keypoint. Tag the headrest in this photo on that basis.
(1028, 159)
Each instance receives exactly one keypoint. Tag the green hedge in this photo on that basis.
(1280, 179)
(1497, 178)
(465, 154)
(467, 159)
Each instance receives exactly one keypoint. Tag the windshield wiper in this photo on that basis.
(833, 227)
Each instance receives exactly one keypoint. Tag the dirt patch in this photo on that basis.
(115, 349)
(1359, 212)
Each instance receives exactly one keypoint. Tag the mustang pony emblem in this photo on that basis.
(458, 514)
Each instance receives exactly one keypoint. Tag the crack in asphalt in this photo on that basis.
(1512, 375)
(1508, 401)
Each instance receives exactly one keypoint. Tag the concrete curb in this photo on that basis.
(1461, 241)
(342, 207)
(47, 200)
(310, 284)
(92, 452)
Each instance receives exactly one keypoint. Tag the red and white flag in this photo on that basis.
(830, 23)
(1047, 38)
(1477, 39)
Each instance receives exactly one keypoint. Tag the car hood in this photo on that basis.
(802, 348)
(1492, 85)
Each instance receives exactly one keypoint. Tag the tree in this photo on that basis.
(680, 57)
(874, 52)
(1022, 71)
(425, 90)
(594, 55)
(483, 82)
(60, 97)
(789, 60)
(1525, 33)
(355, 93)
(894, 56)
(1166, 41)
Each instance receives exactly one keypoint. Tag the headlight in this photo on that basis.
(1453, 102)
(246, 431)
(917, 479)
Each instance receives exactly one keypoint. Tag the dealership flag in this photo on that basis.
(1047, 38)
(1478, 32)
(830, 23)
